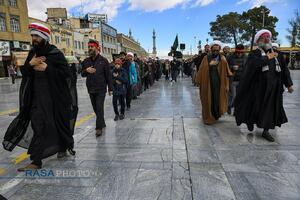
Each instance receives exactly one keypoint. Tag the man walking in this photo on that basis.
(213, 81)
(97, 70)
(236, 63)
(259, 97)
(45, 101)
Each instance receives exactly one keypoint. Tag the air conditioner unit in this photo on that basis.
(25, 47)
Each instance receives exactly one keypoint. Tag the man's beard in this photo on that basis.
(39, 45)
(40, 48)
(92, 53)
(215, 54)
(265, 46)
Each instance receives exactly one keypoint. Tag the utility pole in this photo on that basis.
(263, 22)
(195, 43)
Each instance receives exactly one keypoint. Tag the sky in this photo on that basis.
(188, 18)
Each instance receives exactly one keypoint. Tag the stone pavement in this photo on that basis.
(161, 151)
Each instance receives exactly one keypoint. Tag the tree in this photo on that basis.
(256, 19)
(227, 28)
(294, 30)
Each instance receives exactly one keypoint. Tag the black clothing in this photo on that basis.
(215, 89)
(97, 100)
(175, 67)
(121, 100)
(101, 79)
(128, 96)
(46, 102)
(122, 78)
(259, 96)
(199, 59)
(235, 60)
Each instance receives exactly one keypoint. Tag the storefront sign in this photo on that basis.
(4, 48)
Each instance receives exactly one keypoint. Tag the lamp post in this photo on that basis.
(263, 22)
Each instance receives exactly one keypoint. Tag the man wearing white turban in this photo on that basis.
(213, 80)
(259, 96)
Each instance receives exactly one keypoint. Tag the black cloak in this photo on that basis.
(259, 94)
(63, 94)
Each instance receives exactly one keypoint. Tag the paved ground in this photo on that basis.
(162, 151)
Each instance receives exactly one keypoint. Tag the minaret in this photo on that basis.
(154, 43)
(130, 33)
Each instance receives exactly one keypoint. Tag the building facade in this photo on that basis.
(58, 16)
(109, 41)
(128, 44)
(13, 31)
(79, 44)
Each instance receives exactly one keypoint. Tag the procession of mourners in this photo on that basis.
(245, 85)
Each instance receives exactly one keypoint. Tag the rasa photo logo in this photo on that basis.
(49, 173)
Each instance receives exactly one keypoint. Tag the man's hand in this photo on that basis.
(235, 67)
(37, 60)
(115, 74)
(110, 93)
(118, 82)
(41, 67)
(272, 55)
(214, 62)
(290, 89)
(91, 70)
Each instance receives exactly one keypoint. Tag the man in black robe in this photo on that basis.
(175, 67)
(45, 102)
(259, 95)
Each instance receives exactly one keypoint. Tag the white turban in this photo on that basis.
(216, 42)
(259, 33)
(130, 54)
(275, 45)
(40, 30)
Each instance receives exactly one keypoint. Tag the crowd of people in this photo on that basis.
(126, 78)
(248, 86)
(252, 85)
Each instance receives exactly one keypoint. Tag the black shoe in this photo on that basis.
(116, 118)
(128, 108)
(29, 167)
(229, 110)
(250, 127)
(121, 117)
(268, 136)
(62, 154)
(98, 132)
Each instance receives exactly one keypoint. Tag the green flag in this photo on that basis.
(175, 44)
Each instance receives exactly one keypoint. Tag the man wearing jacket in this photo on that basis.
(97, 70)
